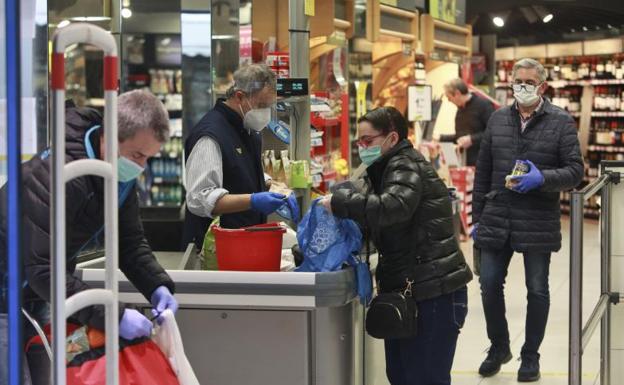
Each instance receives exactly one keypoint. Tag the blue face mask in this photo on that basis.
(368, 155)
(127, 170)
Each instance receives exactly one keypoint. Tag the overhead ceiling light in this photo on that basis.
(90, 18)
(126, 13)
(498, 21)
(63, 24)
(543, 13)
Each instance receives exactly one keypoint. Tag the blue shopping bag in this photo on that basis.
(328, 242)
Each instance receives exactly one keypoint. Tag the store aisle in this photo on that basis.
(554, 363)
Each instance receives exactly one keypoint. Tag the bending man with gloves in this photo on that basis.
(523, 217)
(143, 128)
(224, 175)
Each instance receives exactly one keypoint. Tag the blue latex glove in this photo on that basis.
(134, 325)
(162, 299)
(473, 233)
(267, 202)
(529, 181)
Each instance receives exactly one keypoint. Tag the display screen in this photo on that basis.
(292, 87)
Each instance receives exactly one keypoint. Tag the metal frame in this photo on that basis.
(580, 334)
(61, 174)
(14, 262)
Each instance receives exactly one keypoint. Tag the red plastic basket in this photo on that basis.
(255, 248)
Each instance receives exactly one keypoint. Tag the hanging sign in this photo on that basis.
(418, 103)
(443, 10)
(309, 7)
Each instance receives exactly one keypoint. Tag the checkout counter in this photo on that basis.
(258, 328)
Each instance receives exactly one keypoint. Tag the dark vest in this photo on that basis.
(242, 168)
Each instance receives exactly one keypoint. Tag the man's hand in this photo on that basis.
(465, 141)
(326, 203)
(134, 325)
(162, 299)
(529, 181)
(267, 202)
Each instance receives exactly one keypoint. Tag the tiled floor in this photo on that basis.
(473, 340)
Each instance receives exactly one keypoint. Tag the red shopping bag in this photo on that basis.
(141, 362)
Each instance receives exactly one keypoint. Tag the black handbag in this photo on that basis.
(393, 315)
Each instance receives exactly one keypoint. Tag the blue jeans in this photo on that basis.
(427, 359)
(494, 266)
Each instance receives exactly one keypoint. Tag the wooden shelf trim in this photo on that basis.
(342, 24)
(397, 12)
(451, 47)
(451, 27)
(400, 35)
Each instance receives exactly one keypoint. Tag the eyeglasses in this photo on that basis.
(517, 87)
(366, 141)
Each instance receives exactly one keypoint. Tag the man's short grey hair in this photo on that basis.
(457, 85)
(252, 79)
(528, 63)
(140, 110)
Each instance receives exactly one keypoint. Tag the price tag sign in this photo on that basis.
(309, 7)
(419, 103)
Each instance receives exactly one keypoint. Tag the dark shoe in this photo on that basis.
(529, 369)
(496, 357)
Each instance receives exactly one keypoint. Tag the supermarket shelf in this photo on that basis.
(168, 180)
(607, 114)
(606, 148)
(572, 83)
(170, 155)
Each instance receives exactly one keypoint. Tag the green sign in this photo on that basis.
(443, 10)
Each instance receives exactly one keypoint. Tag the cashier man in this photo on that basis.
(473, 113)
(224, 175)
(143, 128)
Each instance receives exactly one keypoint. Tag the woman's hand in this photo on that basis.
(326, 203)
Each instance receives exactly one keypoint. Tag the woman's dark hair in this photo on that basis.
(386, 120)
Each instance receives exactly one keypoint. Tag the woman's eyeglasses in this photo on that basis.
(366, 141)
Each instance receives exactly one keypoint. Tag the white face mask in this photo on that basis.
(526, 94)
(257, 118)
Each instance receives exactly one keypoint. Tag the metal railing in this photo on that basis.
(63, 173)
(580, 334)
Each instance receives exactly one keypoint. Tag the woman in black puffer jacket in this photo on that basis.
(407, 212)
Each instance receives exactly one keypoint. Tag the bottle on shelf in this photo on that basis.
(583, 70)
(619, 70)
(600, 68)
(593, 69)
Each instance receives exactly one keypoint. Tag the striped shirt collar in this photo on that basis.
(525, 121)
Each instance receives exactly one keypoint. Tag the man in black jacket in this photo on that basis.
(407, 212)
(525, 217)
(143, 127)
(473, 113)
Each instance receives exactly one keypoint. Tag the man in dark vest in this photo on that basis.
(224, 175)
